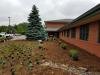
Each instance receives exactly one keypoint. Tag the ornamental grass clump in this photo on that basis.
(63, 46)
(73, 54)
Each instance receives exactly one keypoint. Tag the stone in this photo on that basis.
(83, 69)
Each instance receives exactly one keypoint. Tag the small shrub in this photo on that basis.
(63, 46)
(30, 65)
(59, 42)
(73, 54)
(2, 39)
(13, 72)
(37, 61)
(40, 45)
(2, 62)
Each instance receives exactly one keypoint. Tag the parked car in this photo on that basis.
(6, 35)
(2, 38)
(17, 34)
(9, 36)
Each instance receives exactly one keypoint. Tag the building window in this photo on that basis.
(64, 33)
(73, 33)
(84, 32)
(68, 33)
(99, 33)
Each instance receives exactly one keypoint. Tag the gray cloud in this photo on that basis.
(49, 9)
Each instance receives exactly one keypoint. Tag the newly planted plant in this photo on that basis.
(59, 42)
(37, 61)
(73, 54)
(30, 65)
(13, 71)
(63, 46)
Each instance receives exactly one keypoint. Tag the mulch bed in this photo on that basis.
(58, 55)
(37, 70)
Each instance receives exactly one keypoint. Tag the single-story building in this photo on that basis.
(83, 32)
(53, 26)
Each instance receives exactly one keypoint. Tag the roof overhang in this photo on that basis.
(52, 29)
(92, 15)
(86, 21)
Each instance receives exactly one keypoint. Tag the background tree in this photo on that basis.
(20, 28)
(35, 29)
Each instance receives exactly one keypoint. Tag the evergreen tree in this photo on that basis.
(35, 29)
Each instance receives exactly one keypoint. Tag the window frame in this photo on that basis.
(84, 32)
(99, 33)
(73, 33)
(68, 33)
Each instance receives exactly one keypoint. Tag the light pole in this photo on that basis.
(9, 27)
(9, 20)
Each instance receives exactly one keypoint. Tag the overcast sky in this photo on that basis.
(19, 10)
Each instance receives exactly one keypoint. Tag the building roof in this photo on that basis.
(65, 21)
(52, 29)
(89, 16)
(61, 20)
(95, 10)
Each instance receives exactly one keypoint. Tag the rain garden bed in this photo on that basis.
(50, 58)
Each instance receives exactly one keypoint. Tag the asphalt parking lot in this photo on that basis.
(21, 37)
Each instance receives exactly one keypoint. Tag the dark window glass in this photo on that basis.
(84, 32)
(73, 33)
(64, 33)
(68, 33)
(99, 33)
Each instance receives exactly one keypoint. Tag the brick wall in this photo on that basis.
(91, 45)
(54, 24)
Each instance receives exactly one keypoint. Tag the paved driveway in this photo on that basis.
(21, 37)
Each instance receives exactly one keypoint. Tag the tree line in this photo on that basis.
(20, 28)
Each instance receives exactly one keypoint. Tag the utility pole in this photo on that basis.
(9, 20)
(9, 26)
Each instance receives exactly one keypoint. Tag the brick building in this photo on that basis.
(53, 26)
(84, 31)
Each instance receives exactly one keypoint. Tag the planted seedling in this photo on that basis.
(30, 65)
(40, 45)
(13, 71)
(59, 42)
(63, 46)
(37, 61)
(2, 63)
(73, 54)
